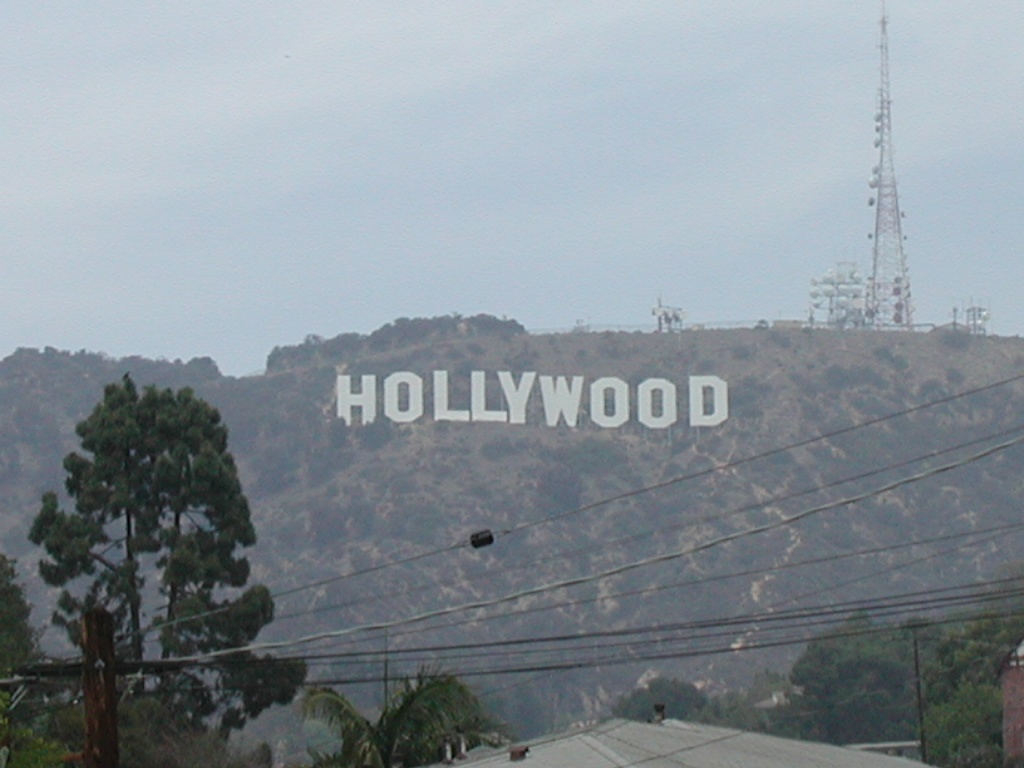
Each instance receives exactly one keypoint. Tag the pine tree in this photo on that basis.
(157, 495)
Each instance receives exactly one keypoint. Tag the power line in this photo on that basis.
(620, 497)
(795, 618)
(612, 545)
(617, 570)
(985, 533)
(763, 622)
(713, 543)
(799, 619)
(177, 663)
(690, 652)
(765, 454)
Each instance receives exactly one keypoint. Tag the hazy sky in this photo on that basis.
(197, 178)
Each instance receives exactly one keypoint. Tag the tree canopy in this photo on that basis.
(963, 721)
(856, 686)
(965, 730)
(682, 700)
(19, 747)
(157, 496)
(17, 638)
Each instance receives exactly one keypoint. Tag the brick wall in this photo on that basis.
(1012, 682)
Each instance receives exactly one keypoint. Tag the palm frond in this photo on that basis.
(359, 743)
(418, 717)
(425, 712)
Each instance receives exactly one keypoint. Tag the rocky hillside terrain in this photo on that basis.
(370, 523)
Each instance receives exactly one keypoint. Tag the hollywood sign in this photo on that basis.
(610, 402)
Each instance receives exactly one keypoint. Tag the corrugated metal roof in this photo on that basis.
(676, 744)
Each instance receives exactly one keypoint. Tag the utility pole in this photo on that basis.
(920, 698)
(384, 706)
(99, 684)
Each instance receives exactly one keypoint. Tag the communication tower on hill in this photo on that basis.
(973, 318)
(840, 294)
(669, 318)
(888, 305)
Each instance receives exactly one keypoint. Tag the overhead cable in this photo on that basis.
(617, 570)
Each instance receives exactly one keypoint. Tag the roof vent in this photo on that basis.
(659, 713)
(515, 754)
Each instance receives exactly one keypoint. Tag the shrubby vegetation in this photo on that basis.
(317, 351)
(26, 749)
(856, 685)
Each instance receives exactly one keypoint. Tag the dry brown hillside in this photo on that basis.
(335, 504)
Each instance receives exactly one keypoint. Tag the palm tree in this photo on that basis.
(414, 724)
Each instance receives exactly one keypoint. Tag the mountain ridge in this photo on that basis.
(330, 498)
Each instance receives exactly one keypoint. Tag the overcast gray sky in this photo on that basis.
(216, 178)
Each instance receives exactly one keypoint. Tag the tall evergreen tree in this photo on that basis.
(157, 495)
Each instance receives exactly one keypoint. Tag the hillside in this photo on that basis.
(331, 498)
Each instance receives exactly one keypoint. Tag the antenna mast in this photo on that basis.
(888, 299)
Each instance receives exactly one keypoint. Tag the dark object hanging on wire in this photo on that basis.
(482, 538)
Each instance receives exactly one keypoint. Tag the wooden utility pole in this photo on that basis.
(920, 699)
(99, 683)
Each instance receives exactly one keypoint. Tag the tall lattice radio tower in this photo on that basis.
(888, 304)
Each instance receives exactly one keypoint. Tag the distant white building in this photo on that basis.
(675, 744)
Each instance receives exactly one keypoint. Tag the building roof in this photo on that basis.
(1014, 658)
(676, 744)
